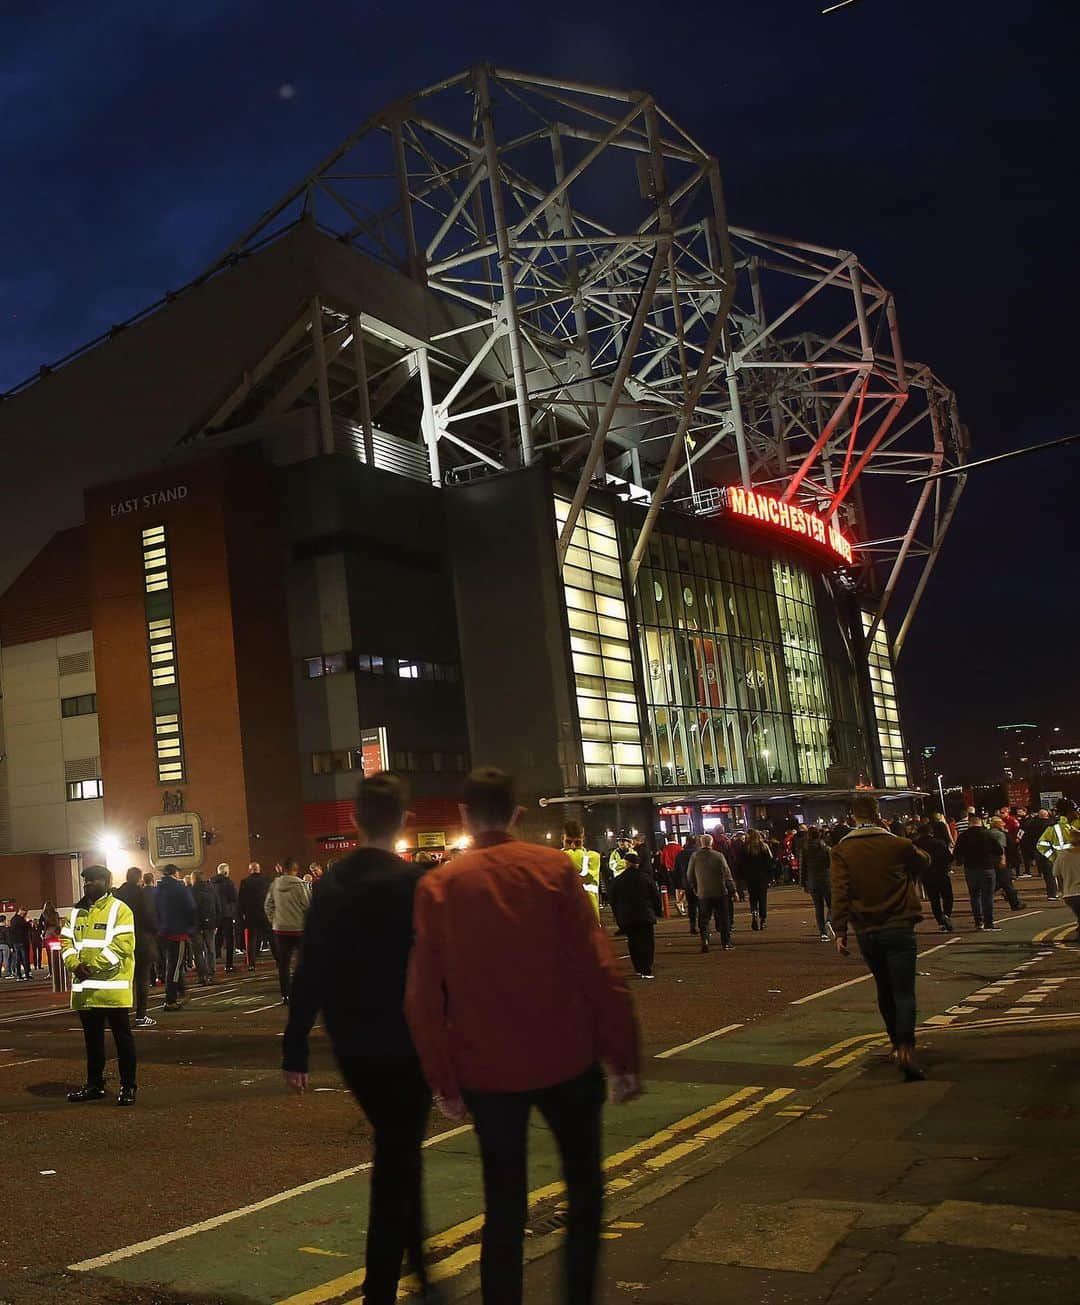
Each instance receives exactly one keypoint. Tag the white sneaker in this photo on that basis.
(145, 1022)
(830, 932)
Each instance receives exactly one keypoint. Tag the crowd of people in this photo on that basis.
(435, 978)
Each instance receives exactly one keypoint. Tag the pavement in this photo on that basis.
(776, 1156)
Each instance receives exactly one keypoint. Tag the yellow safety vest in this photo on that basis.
(101, 937)
(587, 865)
(1056, 838)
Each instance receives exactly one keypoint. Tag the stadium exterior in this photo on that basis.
(493, 441)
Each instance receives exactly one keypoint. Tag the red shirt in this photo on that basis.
(511, 985)
(668, 853)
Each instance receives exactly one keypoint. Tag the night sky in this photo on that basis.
(938, 140)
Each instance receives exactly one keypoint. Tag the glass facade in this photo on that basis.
(886, 715)
(602, 654)
(739, 691)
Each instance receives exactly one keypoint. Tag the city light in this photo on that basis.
(108, 844)
(463, 842)
(401, 846)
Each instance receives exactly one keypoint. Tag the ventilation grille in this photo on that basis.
(83, 768)
(79, 663)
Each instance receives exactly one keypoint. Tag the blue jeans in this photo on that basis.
(890, 954)
(20, 961)
(981, 885)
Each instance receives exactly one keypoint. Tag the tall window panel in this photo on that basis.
(738, 689)
(886, 715)
(161, 643)
(601, 651)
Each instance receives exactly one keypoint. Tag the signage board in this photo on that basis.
(374, 750)
(1050, 800)
(1018, 793)
(674, 811)
(141, 502)
(788, 519)
(176, 839)
(431, 840)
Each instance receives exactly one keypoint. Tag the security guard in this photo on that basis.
(1055, 838)
(617, 859)
(99, 951)
(586, 862)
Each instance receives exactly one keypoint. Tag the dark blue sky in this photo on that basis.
(937, 140)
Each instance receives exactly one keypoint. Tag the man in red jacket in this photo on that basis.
(514, 1000)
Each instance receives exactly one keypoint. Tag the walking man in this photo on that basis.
(636, 901)
(208, 914)
(710, 879)
(251, 911)
(140, 903)
(935, 877)
(980, 855)
(177, 922)
(682, 866)
(287, 905)
(352, 967)
(99, 952)
(501, 1026)
(873, 886)
(817, 880)
(226, 936)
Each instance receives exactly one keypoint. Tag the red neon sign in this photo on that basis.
(793, 520)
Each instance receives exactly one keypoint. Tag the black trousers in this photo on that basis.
(1046, 869)
(253, 937)
(939, 893)
(285, 947)
(757, 884)
(144, 960)
(572, 1111)
(641, 939)
(1005, 885)
(226, 942)
(715, 910)
(396, 1101)
(93, 1023)
(692, 909)
(174, 956)
(891, 956)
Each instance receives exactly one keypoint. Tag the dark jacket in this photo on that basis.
(977, 849)
(206, 904)
(251, 902)
(19, 931)
(1031, 831)
(140, 902)
(814, 862)
(873, 881)
(757, 865)
(226, 892)
(175, 908)
(353, 962)
(635, 899)
(682, 865)
(940, 857)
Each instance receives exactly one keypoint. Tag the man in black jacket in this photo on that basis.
(935, 877)
(353, 963)
(980, 856)
(226, 937)
(251, 911)
(141, 905)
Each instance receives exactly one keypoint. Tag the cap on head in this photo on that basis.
(96, 874)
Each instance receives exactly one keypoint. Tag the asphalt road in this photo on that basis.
(196, 1188)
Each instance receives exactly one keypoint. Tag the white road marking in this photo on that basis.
(12, 1063)
(205, 1225)
(256, 1010)
(863, 978)
(685, 1046)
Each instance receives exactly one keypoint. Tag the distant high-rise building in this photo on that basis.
(1021, 750)
(1062, 761)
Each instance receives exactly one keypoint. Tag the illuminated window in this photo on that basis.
(886, 715)
(161, 655)
(601, 652)
(84, 790)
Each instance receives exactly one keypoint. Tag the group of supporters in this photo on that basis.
(24, 941)
(437, 982)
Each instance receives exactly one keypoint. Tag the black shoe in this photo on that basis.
(693, 931)
(86, 1093)
(763, 923)
(704, 946)
(127, 1095)
(755, 923)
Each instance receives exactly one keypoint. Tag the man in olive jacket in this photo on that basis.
(873, 887)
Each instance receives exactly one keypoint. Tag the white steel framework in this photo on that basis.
(607, 320)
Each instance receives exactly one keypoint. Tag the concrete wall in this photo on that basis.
(39, 744)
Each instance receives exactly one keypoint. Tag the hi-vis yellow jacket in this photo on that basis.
(101, 937)
(588, 867)
(1056, 837)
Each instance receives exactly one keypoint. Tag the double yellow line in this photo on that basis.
(1056, 934)
(678, 1140)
